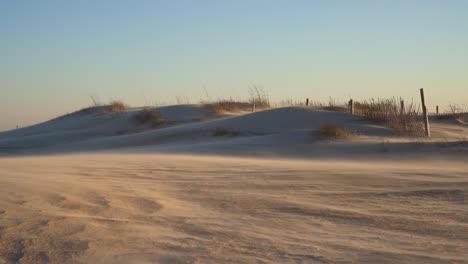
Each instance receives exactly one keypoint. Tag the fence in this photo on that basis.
(450, 116)
(393, 115)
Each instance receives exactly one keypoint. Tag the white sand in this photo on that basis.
(148, 195)
(288, 131)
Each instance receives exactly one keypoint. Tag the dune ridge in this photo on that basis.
(100, 188)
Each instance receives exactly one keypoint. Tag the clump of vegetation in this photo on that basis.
(117, 106)
(90, 110)
(223, 132)
(146, 116)
(392, 113)
(455, 109)
(223, 105)
(335, 106)
(182, 100)
(333, 131)
(259, 97)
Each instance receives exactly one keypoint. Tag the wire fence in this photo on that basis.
(450, 116)
(392, 113)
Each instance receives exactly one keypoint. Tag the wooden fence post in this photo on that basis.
(351, 106)
(437, 110)
(307, 101)
(253, 108)
(403, 119)
(425, 114)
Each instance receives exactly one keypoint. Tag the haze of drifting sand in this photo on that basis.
(275, 193)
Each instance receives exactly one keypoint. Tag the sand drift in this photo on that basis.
(262, 187)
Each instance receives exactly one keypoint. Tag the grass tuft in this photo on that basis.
(334, 132)
(335, 108)
(259, 97)
(223, 132)
(117, 106)
(223, 106)
(390, 113)
(147, 116)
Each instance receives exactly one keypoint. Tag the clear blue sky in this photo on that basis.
(55, 54)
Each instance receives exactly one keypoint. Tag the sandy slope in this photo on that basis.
(139, 194)
(90, 125)
(147, 208)
(285, 132)
(189, 127)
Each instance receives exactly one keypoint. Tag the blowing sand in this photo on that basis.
(154, 208)
(144, 194)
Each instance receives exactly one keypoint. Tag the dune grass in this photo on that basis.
(224, 132)
(335, 108)
(146, 116)
(259, 97)
(332, 131)
(117, 106)
(229, 105)
(391, 113)
(385, 112)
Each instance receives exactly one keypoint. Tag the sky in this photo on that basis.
(55, 55)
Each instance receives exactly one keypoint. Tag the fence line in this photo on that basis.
(393, 113)
(409, 122)
(450, 116)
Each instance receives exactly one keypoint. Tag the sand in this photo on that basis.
(90, 187)
(150, 208)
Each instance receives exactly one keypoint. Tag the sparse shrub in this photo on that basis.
(388, 112)
(182, 100)
(298, 102)
(333, 131)
(222, 132)
(289, 102)
(117, 106)
(230, 105)
(455, 109)
(334, 106)
(259, 97)
(147, 116)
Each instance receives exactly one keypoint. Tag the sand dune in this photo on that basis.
(91, 124)
(276, 191)
(291, 130)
